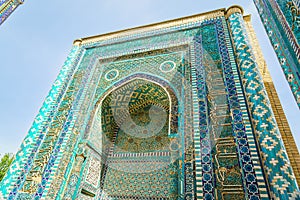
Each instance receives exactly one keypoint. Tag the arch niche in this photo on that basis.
(136, 124)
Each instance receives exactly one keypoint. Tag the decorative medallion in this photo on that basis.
(111, 74)
(167, 66)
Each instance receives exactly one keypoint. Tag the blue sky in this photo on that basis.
(36, 39)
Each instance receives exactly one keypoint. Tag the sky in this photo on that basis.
(36, 39)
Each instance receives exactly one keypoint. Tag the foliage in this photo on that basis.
(5, 162)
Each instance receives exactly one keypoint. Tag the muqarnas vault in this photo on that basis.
(173, 110)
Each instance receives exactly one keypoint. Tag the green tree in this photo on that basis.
(5, 162)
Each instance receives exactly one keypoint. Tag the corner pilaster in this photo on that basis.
(279, 174)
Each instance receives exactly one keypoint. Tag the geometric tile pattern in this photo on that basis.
(213, 100)
(281, 120)
(206, 148)
(158, 184)
(28, 148)
(242, 131)
(266, 129)
(281, 21)
(285, 131)
(137, 160)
